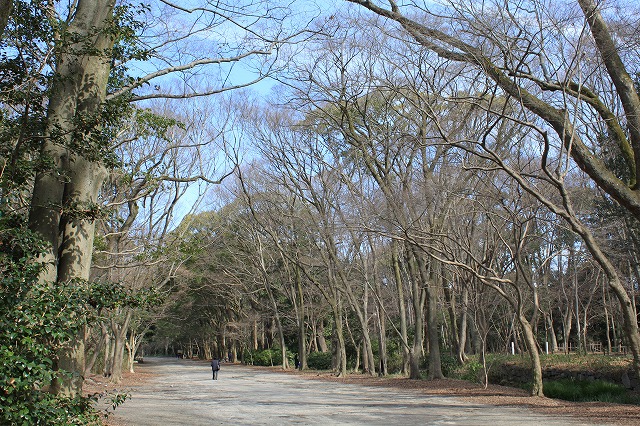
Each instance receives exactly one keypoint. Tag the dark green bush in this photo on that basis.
(265, 358)
(319, 360)
(586, 390)
(36, 321)
(448, 363)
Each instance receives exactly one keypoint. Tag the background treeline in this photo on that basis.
(405, 206)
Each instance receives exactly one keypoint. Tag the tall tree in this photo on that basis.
(562, 93)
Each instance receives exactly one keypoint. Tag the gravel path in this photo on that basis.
(182, 392)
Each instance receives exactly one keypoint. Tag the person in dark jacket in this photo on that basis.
(215, 367)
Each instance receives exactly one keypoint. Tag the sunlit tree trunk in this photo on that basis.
(119, 345)
(64, 198)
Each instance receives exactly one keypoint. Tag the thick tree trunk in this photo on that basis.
(97, 350)
(6, 6)
(427, 276)
(119, 341)
(418, 300)
(79, 88)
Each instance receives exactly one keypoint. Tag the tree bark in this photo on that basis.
(401, 307)
(63, 197)
(418, 299)
(532, 346)
(6, 6)
(462, 332)
(302, 335)
(427, 276)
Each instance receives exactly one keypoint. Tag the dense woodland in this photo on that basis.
(372, 186)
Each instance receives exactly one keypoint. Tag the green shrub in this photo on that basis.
(319, 360)
(586, 390)
(472, 371)
(265, 358)
(449, 364)
(36, 321)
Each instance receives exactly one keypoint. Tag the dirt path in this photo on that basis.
(181, 392)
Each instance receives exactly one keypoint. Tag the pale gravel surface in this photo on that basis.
(168, 391)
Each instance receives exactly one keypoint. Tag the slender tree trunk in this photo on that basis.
(605, 307)
(462, 332)
(254, 335)
(551, 332)
(453, 318)
(340, 351)
(302, 335)
(532, 346)
(435, 365)
(401, 308)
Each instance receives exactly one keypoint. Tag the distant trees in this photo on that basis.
(470, 159)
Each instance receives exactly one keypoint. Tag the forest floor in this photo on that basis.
(494, 395)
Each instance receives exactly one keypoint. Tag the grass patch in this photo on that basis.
(588, 390)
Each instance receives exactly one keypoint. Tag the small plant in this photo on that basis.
(472, 371)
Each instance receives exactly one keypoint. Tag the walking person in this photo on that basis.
(215, 367)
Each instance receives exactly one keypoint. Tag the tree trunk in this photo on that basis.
(6, 6)
(427, 276)
(321, 342)
(97, 350)
(402, 310)
(551, 332)
(418, 299)
(302, 335)
(435, 365)
(119, 340)
(342, 351)
(71, 187)
(462, 332)
(532, 346)
(453, 317)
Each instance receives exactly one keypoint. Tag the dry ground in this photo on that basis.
(592, 412)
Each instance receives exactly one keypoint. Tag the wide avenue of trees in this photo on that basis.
(378, 186)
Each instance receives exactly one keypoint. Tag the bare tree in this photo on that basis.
(563, 92)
